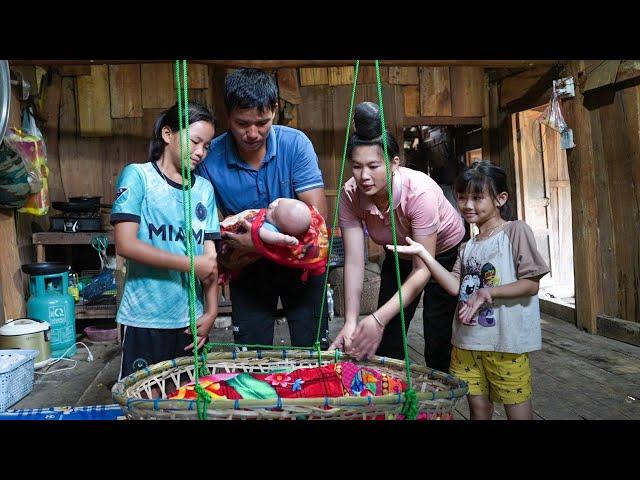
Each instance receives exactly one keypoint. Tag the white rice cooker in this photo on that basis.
(26, 333)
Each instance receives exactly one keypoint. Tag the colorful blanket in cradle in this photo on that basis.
(310, 255)
(335, 380)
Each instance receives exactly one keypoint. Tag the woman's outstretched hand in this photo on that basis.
(412, 248)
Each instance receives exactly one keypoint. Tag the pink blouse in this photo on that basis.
(420, 206)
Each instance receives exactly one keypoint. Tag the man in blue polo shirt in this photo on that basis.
(252, 164)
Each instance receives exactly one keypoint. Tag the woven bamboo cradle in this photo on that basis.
(437, 392)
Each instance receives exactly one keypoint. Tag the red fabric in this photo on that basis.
(311, 252)
(310, 255)
(314, 382)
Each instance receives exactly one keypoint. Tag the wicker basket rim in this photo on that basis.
(119, 389)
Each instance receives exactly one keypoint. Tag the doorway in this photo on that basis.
(543, 193)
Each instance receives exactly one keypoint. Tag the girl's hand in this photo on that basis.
(366, 338)
(412, 248)
(204, 325)
(206, 267)
(343, 340)
(469, 308)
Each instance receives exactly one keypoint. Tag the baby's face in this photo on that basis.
(271, 210)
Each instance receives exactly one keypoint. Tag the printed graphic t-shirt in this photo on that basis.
(510, 325)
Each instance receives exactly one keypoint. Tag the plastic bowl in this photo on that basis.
(101, 334)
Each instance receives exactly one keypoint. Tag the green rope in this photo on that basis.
(410, 405)
(335, 211)
(202, 399)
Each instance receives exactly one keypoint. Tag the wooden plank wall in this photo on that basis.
(105, 117)
(604, 170)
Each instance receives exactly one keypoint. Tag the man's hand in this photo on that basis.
(204, 325)
(366, 338)
(241, 241)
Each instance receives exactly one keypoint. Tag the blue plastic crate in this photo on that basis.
(16, 381)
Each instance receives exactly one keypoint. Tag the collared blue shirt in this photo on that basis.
(289, 167)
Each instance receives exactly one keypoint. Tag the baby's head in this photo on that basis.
(291, 217)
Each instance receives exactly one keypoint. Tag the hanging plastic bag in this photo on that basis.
(29, 144)
(552, 115)
(14, 181)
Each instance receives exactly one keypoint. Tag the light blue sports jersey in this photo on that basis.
(154, 297)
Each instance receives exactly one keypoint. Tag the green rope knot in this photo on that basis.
(202, 402)
(410, 406)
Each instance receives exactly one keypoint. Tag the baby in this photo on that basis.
(291, 233)
(286, 219)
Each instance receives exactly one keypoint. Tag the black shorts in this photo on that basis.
(142, 347)
(254, 296)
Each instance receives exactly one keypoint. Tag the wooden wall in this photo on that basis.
(604, 169)
(103, 117)
(411, 96)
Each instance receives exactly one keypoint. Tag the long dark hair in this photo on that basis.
(483, 176)
(369, 130)
(169, 118)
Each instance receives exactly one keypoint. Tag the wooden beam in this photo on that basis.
(10, 273)
(288, 85)
(536, 92)
(271, 64)
(602, 75)
(629, 69)
(618, 329)
(52, 97)
(584, 208)
(440, 120)
(558, 310)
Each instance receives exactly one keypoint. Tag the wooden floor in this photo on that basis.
(575, 376)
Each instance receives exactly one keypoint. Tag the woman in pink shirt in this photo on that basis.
(421, 212)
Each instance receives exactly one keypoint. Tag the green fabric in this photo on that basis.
(252, 389)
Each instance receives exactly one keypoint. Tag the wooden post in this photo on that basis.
(586, 244)
(10, 273)
(40, 254)
(501, 140)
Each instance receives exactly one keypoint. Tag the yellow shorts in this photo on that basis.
(503, 377)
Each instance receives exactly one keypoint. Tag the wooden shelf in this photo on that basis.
(87, 312)
(62, 238)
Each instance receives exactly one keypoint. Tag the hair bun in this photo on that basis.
(367, 120)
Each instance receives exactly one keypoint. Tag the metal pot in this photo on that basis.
(26, 333)
(5, 97)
